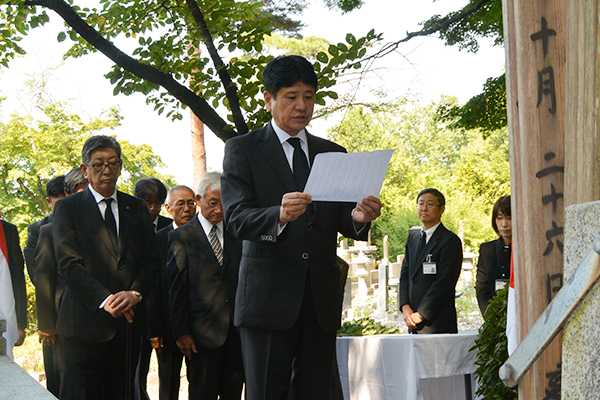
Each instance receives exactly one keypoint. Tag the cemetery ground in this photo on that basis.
(29, 355)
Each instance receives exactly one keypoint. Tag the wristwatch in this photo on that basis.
(138, 294)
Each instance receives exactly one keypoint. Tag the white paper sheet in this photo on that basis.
(347, 176)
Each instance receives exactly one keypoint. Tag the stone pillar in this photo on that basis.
(581, 356)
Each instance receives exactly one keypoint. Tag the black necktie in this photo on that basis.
(422, 243)
(111, 223)
(299, 163)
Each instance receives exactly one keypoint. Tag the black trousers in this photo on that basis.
(51, 368)
(98, 370)
(217, 373)
(169, 373)
(302, 356)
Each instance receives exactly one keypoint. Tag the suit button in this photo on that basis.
(226, 300)
(305, 256)
(120, 267)
(309, 227)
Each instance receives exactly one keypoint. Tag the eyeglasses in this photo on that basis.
(427, 205)
(113, 165)
(180, 204)
(154, 204)
(214, 204)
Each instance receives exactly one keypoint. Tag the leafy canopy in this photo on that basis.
(36, 149)
(178, 49)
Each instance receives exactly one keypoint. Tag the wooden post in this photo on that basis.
(535, 33)
(198, 149)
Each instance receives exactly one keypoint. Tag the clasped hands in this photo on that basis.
(294, 204)
(411, 318)
(121, 304)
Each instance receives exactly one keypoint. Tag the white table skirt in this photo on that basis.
(391, 367)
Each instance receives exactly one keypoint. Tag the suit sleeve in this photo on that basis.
(154, 308)
(17, 274)
(403, 297)
(146, 279)
(482, 285)
(70, 259)
(448, 271)
(178, 265)
(33, 232)
(45, 282)
(245, 218)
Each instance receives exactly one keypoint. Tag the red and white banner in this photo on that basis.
(511, 312)
(7, 298)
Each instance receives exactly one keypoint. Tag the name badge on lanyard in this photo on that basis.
(429, 268)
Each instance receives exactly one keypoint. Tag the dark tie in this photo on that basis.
(299, 163)
(215, 244)
(111, 223)
(422, 243)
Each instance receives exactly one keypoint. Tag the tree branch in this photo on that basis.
(228, 85)
(390, 47)
(197, 104)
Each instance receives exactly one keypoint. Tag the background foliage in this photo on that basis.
(471, 171)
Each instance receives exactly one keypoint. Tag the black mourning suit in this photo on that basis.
(49, 288)
(33, 234)
(493, 264)
(289, 284)
(432, 295)
(93, 269)
(159, 324)
(202, 298)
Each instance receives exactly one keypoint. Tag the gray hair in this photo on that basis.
(99, 142)
(72, 179)
(174, 189)
(208, 180)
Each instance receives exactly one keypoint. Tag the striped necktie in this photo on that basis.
(215, 244)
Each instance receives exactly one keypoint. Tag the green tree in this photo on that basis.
(165, 65)
(429, 152)
(34, 150)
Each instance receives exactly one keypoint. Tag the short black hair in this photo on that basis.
(502, 205)
(434, 192)
(73, 178)
(286, 71)
(55, 187)
(99, 142)
(150, 187)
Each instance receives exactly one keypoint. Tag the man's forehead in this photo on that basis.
(104, 153)
(297, 88)
(183, 194)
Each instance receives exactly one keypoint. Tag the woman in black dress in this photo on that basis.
(493, 267)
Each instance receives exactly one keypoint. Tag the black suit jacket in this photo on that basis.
(157, 307)
(93, 269)
(33, 233)
(488, 270)
(17, 272)
(432, 296)
(274, 269)
(49, 286)
(163, 222)
(202, 293)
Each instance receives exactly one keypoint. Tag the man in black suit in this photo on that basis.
(107, 255)
(430, 270)
(12, 310)
(181, 205)
(289, 299)
(203, 266)
(55, 190)
(153, 192)
(49, 287)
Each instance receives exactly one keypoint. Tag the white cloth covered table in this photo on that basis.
(391, 367)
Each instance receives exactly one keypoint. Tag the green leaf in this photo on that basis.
(61, 36)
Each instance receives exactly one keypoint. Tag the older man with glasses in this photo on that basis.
(181, 205)
(430, 270)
